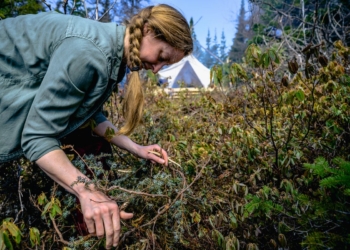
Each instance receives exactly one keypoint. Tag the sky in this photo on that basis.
(218, 15)
(213, 15)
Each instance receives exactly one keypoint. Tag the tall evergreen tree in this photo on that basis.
(207, 58)
(193, 33)
(208, 40)
(214, 49)
(222, 48)
(197, 48)
(211, 53)
(12, 8)
(239, 42)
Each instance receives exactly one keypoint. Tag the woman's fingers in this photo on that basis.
(116, 225)
(116, 229)
(94, 220)
(163, 158)
(126, 216)
(90, 222)
(99, 228)
(104, 220)
(110, 221)
(153, 153)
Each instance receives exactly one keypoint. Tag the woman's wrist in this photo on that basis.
(82, 190)
(124, 142)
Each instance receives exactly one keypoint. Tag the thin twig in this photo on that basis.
(115, 1)
(158, 154)
(65, 2)
(134, 192)
(62, 240)
(58, 231)
(81, 158)
(96, 10)
(183, 179)
(86, 11)
(47, 4)
(20, 197)
(73, 8)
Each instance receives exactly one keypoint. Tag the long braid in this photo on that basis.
(133, 99)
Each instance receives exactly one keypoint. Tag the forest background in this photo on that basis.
(259, 162)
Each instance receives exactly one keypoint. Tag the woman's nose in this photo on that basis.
(158, 67)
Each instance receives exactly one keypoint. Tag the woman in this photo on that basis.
(56, 72)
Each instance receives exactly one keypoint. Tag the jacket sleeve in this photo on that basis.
(76, 67)
(99, 117)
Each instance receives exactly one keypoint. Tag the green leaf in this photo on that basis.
(42, 199)
(230, 130)
(2, 244)
(265, 60)
(171, 138)
(300, 95)
(14, 231)
(220, 131)
(219, 237)
(212, 71)
(214, 77)
(255, 51)
(55, 210)
(34, 236)
(182, 145)
(273, 56)
(18, 237)
(233, 220)
(47, 207)
(7, 241)
(196, 217)
(109, 134)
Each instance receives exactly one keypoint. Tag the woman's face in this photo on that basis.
(155, 53)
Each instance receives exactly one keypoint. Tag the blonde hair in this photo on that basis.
(170, 26)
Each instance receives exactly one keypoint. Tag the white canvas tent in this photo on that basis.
(189, 71)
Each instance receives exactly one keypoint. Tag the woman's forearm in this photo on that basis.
(120, 141)
(126, 143)
(58, 167)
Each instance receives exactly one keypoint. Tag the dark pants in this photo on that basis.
(86, 143)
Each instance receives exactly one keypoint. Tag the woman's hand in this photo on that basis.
(145, 152)
(102, 216)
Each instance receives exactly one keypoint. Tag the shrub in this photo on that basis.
(263, 165)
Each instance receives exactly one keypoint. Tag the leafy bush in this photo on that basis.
(262, 165)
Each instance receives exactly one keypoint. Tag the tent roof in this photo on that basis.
(189, 70)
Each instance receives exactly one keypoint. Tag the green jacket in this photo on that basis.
(56, 71)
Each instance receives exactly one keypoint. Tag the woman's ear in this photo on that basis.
(146, 29)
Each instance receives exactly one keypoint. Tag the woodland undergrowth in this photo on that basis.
(262, 164)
